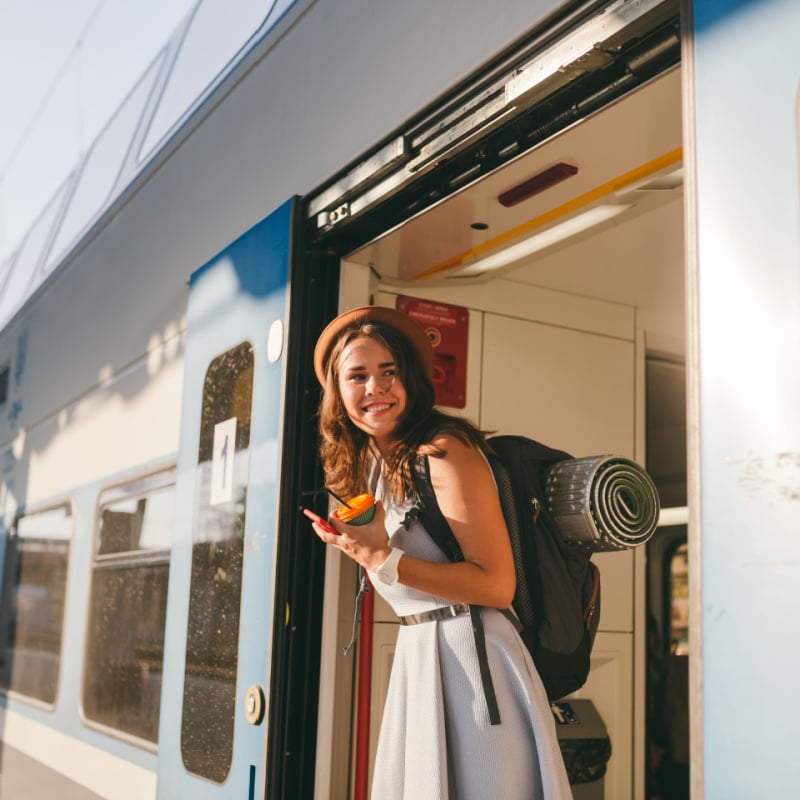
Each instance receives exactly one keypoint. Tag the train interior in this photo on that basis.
(562, 277)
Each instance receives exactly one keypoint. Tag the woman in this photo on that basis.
(377, 415)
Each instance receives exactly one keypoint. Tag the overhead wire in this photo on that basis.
(51, 89)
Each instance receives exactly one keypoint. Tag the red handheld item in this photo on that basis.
(323, 523)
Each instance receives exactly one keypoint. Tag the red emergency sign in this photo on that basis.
(447, 327)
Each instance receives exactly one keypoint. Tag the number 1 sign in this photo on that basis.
(222, 465)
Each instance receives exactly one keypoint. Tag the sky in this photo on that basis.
(65, 67)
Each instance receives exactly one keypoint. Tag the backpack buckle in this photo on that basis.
(537, 508)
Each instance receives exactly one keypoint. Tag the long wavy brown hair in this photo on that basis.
(347, 451)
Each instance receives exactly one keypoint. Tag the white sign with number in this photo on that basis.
(222, 464)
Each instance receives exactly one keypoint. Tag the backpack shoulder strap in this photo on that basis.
(434, 522)
(430, 514)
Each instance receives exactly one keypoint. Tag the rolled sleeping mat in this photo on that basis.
(602, 503)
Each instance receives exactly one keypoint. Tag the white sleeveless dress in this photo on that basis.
(436, 742)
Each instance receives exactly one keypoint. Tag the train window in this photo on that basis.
(209, 694)
(102, 167)
(25, 277)
(217, 32)
(128, 606)
(679, 601)
(34, 593)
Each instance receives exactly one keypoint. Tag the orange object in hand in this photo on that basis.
(358, 511)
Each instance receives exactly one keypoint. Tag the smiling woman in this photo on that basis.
(376, 418)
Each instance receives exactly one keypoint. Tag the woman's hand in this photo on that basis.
(367, 545)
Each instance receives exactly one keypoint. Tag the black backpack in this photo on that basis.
(557, 599)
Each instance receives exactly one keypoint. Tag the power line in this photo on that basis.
(50, 91)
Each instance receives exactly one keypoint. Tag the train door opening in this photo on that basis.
(560, 332)
(557, 234)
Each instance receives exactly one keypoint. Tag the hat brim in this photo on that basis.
(409, 328)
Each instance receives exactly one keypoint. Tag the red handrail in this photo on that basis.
(364, 694)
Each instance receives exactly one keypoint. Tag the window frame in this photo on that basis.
(67, 503)
(146, 483)
(202, 504)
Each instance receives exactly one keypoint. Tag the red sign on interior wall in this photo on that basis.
(448, 328)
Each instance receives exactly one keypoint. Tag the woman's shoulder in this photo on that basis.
(461, 473)
(457, 453)
(455, 432)
(448, 441)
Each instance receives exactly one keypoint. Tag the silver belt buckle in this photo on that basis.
(435, 614)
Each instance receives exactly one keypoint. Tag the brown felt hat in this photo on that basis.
(409, 328)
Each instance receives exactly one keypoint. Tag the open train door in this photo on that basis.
(238, 633)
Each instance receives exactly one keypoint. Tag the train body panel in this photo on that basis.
(745, 450)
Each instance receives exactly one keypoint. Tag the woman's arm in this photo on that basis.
(469, 502)
(468, 499)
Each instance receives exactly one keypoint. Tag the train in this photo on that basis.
(592, 204)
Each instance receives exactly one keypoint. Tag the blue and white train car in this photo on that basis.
(599, 198)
